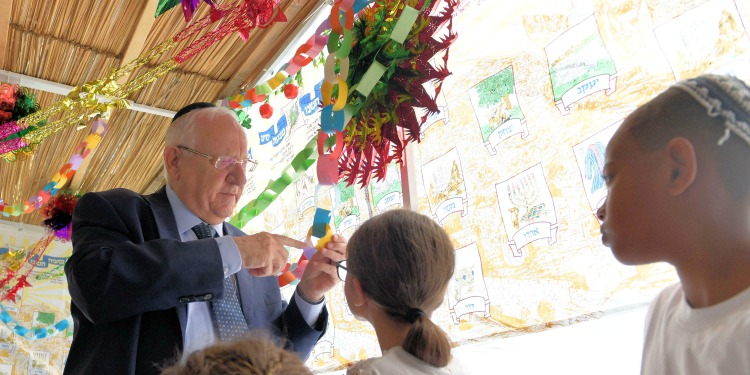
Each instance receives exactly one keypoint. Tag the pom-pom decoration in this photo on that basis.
(59, 214)
(266, 110)
(290, 91)
(384, 119)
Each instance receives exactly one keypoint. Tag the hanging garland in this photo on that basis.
(83, 101)
(62, 177)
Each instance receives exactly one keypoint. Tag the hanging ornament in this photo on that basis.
(266, 110)
(290, 91)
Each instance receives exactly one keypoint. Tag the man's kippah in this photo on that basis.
(191, 107)
(723, 96)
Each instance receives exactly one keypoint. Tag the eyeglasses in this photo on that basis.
(341, 269)
(224, 162)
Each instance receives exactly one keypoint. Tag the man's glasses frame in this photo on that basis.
(224, 162)
(341, 269)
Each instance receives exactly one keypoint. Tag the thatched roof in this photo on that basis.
(74, 42)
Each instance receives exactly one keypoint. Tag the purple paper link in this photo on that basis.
(75, 162)
(309, 251)
(8, 129)
(99, 124)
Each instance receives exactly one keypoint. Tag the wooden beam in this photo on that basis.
(138, 39)
(6, 8)
(271, 45)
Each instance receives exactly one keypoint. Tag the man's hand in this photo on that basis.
(264, 253)
(321, 274)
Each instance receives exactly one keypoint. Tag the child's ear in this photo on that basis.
(358, 297)
(683, 164)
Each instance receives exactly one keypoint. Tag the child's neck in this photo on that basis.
(715, 277)
(390, 332)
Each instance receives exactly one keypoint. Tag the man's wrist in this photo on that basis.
(306, 299)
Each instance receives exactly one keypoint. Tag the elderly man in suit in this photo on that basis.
(155, 275)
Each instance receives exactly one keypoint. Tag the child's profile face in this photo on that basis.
(631, 213)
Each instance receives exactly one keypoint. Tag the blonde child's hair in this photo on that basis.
(253, 356)
(404, 261)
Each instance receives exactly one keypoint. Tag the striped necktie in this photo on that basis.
(230, 323)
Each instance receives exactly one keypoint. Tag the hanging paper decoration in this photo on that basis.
(59, 214)
(390, 63)
(62, 177)
(33, 333)
(83, 101)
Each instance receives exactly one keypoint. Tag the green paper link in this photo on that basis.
(404, 24)
(263, 88)
(371, 77)
(333, 42)
(346, 45)
(301, 162)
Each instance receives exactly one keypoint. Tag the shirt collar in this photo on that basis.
(185, 218)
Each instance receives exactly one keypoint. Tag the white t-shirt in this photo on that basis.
(398, 361)
(709, 340)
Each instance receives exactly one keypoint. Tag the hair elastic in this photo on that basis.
(413, 314)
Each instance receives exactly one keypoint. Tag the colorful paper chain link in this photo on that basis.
(293, 172)
(321, 229)
(62, 177)
(33, 333)
(84, 101)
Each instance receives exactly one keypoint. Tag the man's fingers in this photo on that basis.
(286, 241)
(332, 255)
(324, 267)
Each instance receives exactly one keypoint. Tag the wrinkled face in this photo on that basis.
(208, 192)
(633, 211)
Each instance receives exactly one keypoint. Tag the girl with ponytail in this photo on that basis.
(398, 267)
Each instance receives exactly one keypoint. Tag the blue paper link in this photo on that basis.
(321, 219)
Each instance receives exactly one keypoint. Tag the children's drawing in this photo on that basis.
(709, 37)
(527, 209)
(345, 208)
(387, 194)
(467, 292)
(443, 180)
(590, 157)
(580, 65)
(497, 110)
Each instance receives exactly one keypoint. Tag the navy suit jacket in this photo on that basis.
(130, 279)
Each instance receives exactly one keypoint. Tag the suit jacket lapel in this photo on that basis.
(167, 226)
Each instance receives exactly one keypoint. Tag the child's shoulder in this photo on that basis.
(364, 367)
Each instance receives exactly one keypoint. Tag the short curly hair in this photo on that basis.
(253, 356)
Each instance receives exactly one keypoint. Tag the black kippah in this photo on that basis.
(191, 107)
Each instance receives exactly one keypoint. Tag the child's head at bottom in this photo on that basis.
(399, 265)
(252, 356)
